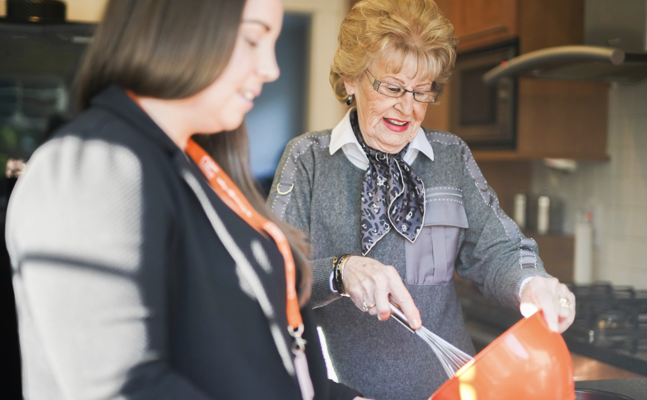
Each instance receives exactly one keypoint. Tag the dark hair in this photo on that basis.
(172, 49)
(166, 49)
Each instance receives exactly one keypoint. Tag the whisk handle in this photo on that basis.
(398, 315)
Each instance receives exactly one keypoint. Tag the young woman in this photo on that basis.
(141, 269)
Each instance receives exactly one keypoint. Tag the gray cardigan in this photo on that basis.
(465, 231)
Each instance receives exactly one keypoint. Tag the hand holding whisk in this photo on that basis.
(356, 277)
(450, 357)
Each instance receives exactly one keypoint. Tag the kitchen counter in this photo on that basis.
(590, 369)
(634, 388)
(609, 356)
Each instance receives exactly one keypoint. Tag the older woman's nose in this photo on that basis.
(405, 105)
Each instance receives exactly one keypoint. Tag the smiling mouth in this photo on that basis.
(396, 124)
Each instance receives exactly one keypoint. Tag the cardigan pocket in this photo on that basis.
(430, 259)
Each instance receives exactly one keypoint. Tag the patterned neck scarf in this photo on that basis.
(392, 196)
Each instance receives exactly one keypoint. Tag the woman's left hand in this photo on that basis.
(553, 298)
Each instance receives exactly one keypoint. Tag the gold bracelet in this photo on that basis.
(338, 268)
(342, 264)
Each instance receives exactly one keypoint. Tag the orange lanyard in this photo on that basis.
(229, 193)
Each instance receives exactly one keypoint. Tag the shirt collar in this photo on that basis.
(342, 136)
(420, 143)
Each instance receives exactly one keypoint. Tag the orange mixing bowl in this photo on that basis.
(527, 362)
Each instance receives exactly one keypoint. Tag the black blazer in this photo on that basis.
(123, 288)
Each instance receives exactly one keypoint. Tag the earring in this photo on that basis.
(349, 100)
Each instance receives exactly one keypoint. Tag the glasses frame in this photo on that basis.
(377, 83)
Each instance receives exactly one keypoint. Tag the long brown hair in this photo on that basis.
(166, 49)
(231, 152)
(172, 49)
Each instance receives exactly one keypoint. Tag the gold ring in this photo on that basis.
(278, 189)
(564, 302)
(367, 307)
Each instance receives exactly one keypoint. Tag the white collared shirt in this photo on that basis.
(343, 137)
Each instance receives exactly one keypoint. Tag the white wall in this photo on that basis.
(85, 10)
(615, 191)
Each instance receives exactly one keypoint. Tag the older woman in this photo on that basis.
(392, 209)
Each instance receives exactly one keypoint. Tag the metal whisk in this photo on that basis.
(450, 357)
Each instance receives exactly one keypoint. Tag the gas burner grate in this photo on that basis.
(612, 317)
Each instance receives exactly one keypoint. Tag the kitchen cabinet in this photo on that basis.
(538, 24)
(479, 22)
(558, 254)
(562, 120)
(482, 22)
(555, 119)
(549, 23)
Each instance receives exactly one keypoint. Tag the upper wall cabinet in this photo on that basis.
(538, 24)
(553, 119)
(482, 22)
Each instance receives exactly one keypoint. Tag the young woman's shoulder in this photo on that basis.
(78, 196)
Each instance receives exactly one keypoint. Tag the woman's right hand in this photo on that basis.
(371, 285)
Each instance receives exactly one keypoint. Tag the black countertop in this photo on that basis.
(610, 356)
(634, 388)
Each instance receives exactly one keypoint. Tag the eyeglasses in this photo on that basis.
(390, 90)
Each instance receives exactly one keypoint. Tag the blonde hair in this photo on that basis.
(399, 29)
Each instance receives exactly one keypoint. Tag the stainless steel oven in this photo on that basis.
(484, 116)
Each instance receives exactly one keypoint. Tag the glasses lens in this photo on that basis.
(390, 90)
(426, 97)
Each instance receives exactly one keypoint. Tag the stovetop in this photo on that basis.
(611, 317)
(610, 323)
